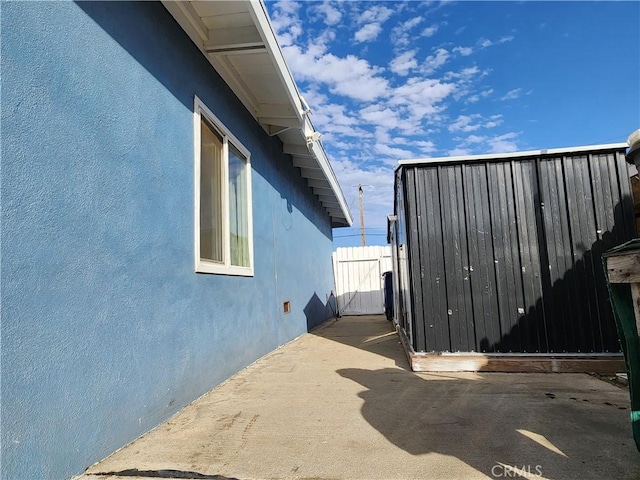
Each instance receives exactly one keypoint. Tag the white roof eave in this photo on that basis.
(262, 23)
(186, 15)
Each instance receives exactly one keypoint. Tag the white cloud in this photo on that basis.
(512, 94)
(421, 96)
(400, 34)
(495, 120)
(412, 22)
(464, 75)
(369, 32)
(286, 23)
(473, 122)
(503, 143)
(476, 139)
(404, 62)
(459, 152)
(425, 146)
(326, 37)
(334, 120)
(341, 145)
(377, 115)
(348, 76)
(371, 114)
(330, 15)
(287, 7)
(377, 13)
(429, 31)
(484, 43)
(332, 115)
(331, 131)
(433, 62)
(463, 124)
(382, 135)
(397, 153)
(464, 51)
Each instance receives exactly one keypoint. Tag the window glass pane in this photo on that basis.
(238, 208)
(211, 239)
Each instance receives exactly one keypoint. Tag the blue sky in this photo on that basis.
(395, 80)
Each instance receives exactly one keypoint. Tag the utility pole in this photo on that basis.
(364, 240)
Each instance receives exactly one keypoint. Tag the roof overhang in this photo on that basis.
(237, 39)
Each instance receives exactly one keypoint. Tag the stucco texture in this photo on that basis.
(106, 329)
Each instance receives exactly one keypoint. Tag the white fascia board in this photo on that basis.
(320, 156)
(501, 156)
(325, 166)
(192, 24)
(262, 23)
(187, 17)
(261, 19)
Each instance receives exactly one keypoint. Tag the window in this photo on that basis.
(223, 233)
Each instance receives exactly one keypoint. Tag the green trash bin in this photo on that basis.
(622, 267)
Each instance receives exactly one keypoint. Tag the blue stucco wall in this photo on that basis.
(106, 329)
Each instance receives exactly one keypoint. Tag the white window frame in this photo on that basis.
(202, 265)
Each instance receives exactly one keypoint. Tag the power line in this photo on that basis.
(367, 229)
(357, 235)
(353, 228)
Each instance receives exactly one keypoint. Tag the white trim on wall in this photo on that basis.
(203, 265)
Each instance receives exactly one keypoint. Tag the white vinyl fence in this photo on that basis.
(358, 278)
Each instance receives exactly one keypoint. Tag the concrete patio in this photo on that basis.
(340, 403)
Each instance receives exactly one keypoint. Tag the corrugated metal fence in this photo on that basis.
(505, 256)
(358, 276)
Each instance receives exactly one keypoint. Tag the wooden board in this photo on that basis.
(624, 268)
(539, 363)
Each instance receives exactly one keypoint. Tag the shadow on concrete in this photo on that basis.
(371, 333)
(501, 426)
(134, 472)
